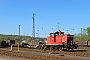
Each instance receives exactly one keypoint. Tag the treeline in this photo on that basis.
(16, 38)
(84, 35)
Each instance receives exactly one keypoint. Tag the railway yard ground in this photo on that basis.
(38, 54)
(82, 53)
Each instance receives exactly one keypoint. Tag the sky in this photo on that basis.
(72, 15)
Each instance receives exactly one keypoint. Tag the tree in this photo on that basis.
(8, 38)
(88, 31)
(84, 32)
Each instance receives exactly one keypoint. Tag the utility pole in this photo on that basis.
(58, 24)
(81, 33)
(19, 33)
(33, 31)
(19, 40)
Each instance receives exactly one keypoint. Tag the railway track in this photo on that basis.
(31, 55)
(53, 54)
(77, 52)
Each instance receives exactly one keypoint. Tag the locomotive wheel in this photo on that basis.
(76, 46)
(60, 48)
(44, 48)
(68, 49)
(56, 48)
(51, 48)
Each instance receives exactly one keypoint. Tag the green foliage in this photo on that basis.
(85, 35)
(16, 38)
(88, 31)
(77, 37)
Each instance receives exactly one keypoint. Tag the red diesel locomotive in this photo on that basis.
(58, 41)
